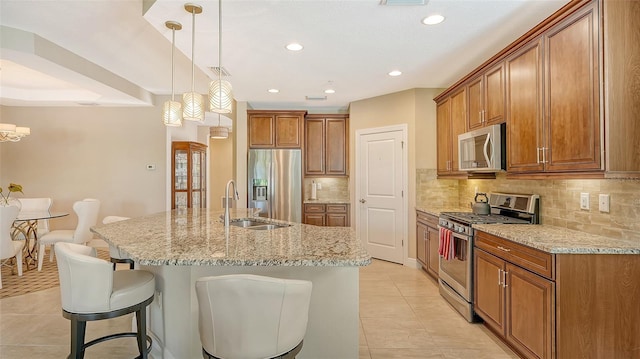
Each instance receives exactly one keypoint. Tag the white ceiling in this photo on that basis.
(114, 53)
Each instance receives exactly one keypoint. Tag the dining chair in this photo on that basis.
(116, 255)
(87, 213)
(9, 248)
(37, 205)
(90, 290)
(250, 316)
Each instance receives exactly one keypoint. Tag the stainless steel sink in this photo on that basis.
(257, 225)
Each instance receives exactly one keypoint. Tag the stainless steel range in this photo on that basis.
(456, 273)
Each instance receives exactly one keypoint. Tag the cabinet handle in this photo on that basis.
(538, 155)
(499, 277)
(544, 155)
(483, 119)
(504, 281)
(504, 249)
(362, 200)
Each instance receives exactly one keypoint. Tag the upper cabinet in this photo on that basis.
(567, 90)
(326, 145)
(486, 98)
(451, 121)
(275, 129)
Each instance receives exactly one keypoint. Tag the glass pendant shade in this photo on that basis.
(193, 106)
(220, 96)
(172, 113)
(218, 132)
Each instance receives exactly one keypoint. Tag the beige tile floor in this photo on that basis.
(401, 316)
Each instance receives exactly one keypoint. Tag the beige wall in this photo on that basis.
(96, 152)
(414, 108)
(221, 169)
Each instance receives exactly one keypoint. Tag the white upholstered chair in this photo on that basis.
(37, 205)
(8, 247)
(90, 290)
(114, 252)
(87, 213)
(245, 316)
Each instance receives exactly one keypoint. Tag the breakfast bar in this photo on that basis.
(181, 246)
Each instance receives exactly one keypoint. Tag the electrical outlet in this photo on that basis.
(318, 185)
(603, 203)
(584, 200)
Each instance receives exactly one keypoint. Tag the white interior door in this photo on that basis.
(380, 178)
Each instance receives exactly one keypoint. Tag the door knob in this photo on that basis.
(362, 200)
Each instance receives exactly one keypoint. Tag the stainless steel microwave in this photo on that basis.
(483, 150)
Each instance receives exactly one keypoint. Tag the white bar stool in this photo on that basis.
(245, 316)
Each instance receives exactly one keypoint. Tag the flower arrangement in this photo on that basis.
(4, 199)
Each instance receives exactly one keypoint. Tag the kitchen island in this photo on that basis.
(181, 246)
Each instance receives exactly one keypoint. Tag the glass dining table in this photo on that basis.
(25, 227)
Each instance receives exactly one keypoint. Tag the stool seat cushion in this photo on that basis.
(131, 287)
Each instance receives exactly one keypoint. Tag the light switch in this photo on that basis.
(584, 200)
(603, 203)
(151, 167)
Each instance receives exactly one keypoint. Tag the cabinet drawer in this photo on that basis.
(336, 208)
(528, 258)
(428, 219)
(317, 208)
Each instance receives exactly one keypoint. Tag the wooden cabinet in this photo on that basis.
(486, 94)
(524, 108)
(326, 145)
(427, 242)
(275, 129)
(566, 136)
(329, 215)
(515, 303)
(451, 121)
(188, 182)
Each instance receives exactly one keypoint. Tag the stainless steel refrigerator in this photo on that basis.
(275, 183)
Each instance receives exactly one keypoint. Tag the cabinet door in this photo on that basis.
(458, 124)
(475, 91)
(337, 220)
(530, 312)
(421, 240)
(314, 147)
(433, 259)
(288, 131)
(316, 219)
(524, 109)
(572, 124)
(494, 95)
(489, 300)
(261, 131)
(443, 118)
(336, 147)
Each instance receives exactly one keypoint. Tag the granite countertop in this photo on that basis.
(436, 209)
(327, 201)
(554, 239)
(198, 237)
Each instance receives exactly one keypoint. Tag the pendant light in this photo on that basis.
(193, 107)
(172, 110)
(218, 132)
(220, 91)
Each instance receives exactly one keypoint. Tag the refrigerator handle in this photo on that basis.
(272, 189)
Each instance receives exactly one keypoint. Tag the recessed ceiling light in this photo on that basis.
(273, 90)
(433, 19)
(395, 73)
(329, 91)
(294, 46)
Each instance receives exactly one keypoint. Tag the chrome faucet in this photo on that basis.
(226, 201)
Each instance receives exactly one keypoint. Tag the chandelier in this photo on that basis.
(220, 91)
(218, 132)
(192, 102)
(11, 133)
(172, 110)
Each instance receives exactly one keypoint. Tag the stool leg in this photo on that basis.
(78, 328)
(141, 321)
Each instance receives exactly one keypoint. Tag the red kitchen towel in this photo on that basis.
(446, 244)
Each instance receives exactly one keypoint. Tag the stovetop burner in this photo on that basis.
(472, 218)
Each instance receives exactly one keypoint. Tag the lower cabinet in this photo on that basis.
(517, 304)
(328, 215)
(427, 242)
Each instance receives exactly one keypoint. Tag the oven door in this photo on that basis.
(457, 272)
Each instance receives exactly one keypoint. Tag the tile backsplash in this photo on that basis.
(332, 188)
(559, 200)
